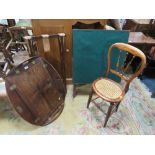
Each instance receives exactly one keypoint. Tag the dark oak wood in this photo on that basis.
(146, 26)
(11, 22)
(36, 91)
(138, 38)
(146, 44)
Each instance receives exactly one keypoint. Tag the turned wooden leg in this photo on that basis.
(90, 97)
(117, 106)
(108, 114)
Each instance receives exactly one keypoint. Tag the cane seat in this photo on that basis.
(108, 90)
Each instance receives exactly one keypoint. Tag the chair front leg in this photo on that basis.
(108, 114)
(90, 97)
(117, 106)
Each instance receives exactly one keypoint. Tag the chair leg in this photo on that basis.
(117, 106)
(90, 97)
(108, 114)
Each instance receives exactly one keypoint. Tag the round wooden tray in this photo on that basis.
(36, 91)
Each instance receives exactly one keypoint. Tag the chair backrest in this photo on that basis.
(122, 69)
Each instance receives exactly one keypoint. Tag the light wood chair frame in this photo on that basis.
(114, 104)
